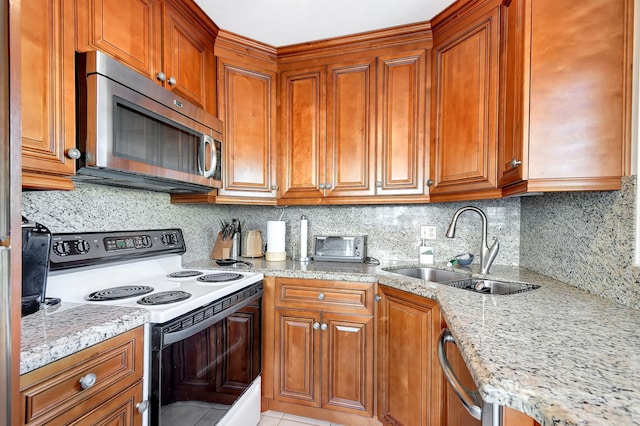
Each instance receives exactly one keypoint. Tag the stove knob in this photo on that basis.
(169, 239)
(82, 247)
(61, 248)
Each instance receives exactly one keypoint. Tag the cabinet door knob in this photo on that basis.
(142, 406)
(274, 187)
(316, 325)
(515, 163)
(172, 81)
(321, 186)
(328, 186)
(88, 381)
(324, 326)
(321, 296)
(377, 298)
(429, 182)
(161, 76)
(74, 153)
(379, 184)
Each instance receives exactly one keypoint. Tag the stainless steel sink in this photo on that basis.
(429, 274)
(479, 285)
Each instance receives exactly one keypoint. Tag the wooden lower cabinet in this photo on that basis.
(53, 394)
(322, 364)
(409, 377)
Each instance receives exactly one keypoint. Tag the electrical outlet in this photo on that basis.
(428, 232)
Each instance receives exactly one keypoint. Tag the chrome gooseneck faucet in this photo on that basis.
(487, 254)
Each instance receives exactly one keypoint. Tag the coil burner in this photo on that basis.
(164, 298)
(219, 278)
(117, 293)
(184, 274)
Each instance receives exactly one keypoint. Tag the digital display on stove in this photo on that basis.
(127, 243)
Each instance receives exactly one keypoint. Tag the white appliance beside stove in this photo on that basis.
(215, 311)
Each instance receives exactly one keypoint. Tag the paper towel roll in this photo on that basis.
(276, 230)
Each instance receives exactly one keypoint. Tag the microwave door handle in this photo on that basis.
(202, 164)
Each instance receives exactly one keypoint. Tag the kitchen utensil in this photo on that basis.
(252, 244)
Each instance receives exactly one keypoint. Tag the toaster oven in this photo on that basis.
(340, 248)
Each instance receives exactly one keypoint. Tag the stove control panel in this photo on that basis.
(71, 250)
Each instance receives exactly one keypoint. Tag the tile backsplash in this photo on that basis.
(393, 231)
(585, 239)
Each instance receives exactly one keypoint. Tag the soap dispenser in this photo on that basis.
(426, 252)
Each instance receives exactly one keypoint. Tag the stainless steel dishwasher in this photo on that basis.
(484, 413)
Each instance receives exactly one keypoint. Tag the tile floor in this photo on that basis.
(274, 418)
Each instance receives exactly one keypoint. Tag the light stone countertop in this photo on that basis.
(557, 353)
(55, 332)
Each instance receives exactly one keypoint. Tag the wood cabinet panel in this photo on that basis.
(466, 60)
(333, 296)
(297, 353)
(303, 146)
(319, 355)
(347, 367)
(120, 410)
(188, 58)
(126, 29)
(247, 100)
(402, 121)
(351, 129)
(54, 392)
(48, 94)
(566, 98)
(168, 41)
(409, 377)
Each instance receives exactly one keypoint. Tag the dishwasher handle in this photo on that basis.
(470, 400)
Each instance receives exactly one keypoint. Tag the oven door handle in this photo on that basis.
(176, 336)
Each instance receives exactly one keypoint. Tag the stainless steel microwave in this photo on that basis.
(340, 248)
(134, 133)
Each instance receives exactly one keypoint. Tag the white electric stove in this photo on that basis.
(143, 269)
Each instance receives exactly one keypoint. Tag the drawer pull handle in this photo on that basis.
(142, 406)
(88, 381)
(324, 326)
(321, 296)
(316, 325)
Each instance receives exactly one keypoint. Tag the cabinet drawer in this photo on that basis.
(331, 296)
(54, 391)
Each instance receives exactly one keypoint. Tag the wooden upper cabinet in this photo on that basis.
(302, 133)
(125, 29)
(465, 103)
(402, 123)
(48, 94)
(350, 129)
(247, 103)
(566, 84)
(169, 41)
(328, 131)
(188, 58)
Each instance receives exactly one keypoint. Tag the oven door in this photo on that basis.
(203, 362)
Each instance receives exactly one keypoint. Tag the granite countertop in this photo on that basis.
(57, 331)
(559, 354)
